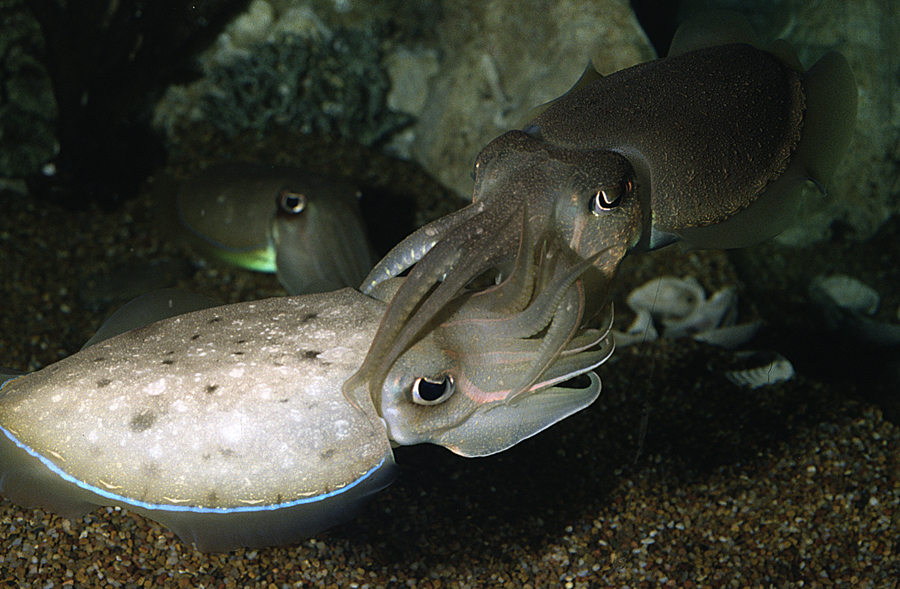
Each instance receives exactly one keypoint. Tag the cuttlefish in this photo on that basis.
(304, 227)
(236, 425)
(710, 146)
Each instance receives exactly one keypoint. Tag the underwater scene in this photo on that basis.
(450, 293)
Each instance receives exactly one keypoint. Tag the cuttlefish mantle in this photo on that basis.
(721, 139)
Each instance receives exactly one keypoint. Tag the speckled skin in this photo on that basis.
(225, 424)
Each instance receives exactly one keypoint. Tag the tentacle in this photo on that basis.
(469, 248)
(416, 246)
(546, 304)
(514, 292)
(568, 314)
(591, 348)
(558, 307)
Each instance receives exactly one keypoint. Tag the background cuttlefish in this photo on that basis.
(229, 424)
(710, 146)
(304, 227)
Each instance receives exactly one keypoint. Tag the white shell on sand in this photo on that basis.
(681, 308)
(847, 292)
(774, 369)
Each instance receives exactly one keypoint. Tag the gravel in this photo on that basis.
(793, 485)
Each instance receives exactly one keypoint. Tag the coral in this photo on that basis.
(333, 86)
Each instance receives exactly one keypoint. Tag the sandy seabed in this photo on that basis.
(792, 485)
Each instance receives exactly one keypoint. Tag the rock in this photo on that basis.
(492, 75)
(28, 111)
(461, 73)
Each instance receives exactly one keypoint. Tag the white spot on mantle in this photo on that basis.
(335, 354)
(232, 431)
(157, 387)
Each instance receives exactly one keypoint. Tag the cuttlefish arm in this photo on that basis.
(414, 247)
(305, 227)
(500, 233)
(503, 353)
(469, 247)
(485, 380)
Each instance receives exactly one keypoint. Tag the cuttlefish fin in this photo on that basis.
(784, 51)
(7, 374)
(26, 481)
(712, 28)
(504, 425)
(588, 77)
(830, 116)
(146, 309)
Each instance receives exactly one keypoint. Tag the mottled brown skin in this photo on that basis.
(706, 131)
(710, 147)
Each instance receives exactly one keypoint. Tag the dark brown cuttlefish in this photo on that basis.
(710, 146)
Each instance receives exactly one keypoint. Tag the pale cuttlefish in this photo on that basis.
(233, 425)
(304, 227)
(710, 146)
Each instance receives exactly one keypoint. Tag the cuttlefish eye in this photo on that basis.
(431, 391)
(607, 198)
(291, 202)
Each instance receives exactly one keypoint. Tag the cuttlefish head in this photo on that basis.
(589, 200)
(494, 367)
(532, 202)
(318, 237)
